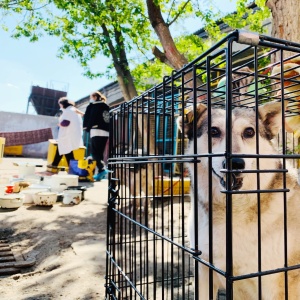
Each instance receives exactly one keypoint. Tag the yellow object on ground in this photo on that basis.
(13, 150)
(91, 170)
(2, 143)
(52, 148)
(84, 168)
(167, 187)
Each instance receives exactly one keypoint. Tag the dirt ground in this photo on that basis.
(67, 242)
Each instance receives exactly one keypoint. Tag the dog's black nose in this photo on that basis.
(237, 163)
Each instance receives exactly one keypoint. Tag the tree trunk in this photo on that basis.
(171, 55)
(125, 79)
(126, 84)
(286, 20)
(120, 62)
(285, 25)
(174, 57)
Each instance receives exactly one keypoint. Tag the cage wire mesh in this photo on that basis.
(179, 225)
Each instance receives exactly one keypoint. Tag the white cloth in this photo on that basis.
(70, 137)
(98, 132)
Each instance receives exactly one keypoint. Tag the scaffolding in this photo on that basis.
(45, 100)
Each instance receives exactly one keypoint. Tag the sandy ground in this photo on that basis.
(68, 243)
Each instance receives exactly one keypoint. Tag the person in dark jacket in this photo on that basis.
(96, 122)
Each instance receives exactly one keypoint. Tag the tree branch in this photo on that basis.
(179, 13)
(161, 56)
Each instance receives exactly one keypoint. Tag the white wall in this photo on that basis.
(11, 122)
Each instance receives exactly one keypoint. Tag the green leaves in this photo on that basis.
(248, 17)
(120, 30)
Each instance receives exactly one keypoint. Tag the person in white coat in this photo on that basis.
(69, 133)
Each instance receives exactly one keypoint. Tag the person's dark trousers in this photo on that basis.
(98, 144)
(58, 157)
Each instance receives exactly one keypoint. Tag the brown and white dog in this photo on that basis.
(251, 211)
(139, 180)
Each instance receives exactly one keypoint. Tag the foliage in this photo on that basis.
(152, 71)
(149, 73)
(211, 17)
(120, 29)
(247, 17)
(87, 29)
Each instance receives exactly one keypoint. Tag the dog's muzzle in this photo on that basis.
(238, 164)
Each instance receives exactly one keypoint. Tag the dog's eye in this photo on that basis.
(215, 132)
(249, 132)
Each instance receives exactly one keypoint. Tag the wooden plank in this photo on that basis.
(21, 262)
(18, 255)
(7, 258)
(3, 249)
(9, 271)
(18, 264)
(25, 263)
(6, 253)
(4, 265)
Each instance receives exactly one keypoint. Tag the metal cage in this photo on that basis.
(156, 248)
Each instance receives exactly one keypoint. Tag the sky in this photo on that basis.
(23, 64)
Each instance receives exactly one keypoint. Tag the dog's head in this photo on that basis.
(243, 139)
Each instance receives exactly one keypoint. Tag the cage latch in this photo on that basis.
(114, 191)
(111, 288)
(196, 252)
(248, 38)
(113, 200)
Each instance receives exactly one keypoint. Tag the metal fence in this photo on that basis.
(203, 198)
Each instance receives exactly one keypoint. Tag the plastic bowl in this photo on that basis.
(72, 196)
(78, 188)
(11, 201)
(45, 198)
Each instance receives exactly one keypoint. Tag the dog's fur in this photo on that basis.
(139, 180)
(244, 206)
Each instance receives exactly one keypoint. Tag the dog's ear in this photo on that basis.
(271, 116)
(185, 124)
